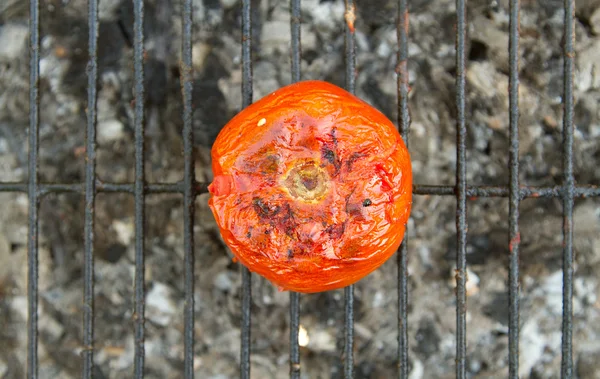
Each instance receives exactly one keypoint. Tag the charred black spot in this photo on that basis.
(329, 151)
(249, 234)
(290, 254)
(267, 231)
(270, 164)
(264, 209)
(333, 136)
(335, 231)
(287, 222)
(328, 155)
(367, 202)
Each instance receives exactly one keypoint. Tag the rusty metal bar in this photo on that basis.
(461, 191)
(350, 58)
(402, 28)
(568, 189)
(473, 192)
(90, 193)
(33, 190)
(514, 237)
(138, 188)
(294, 296)
(246, 101)
(189, 192)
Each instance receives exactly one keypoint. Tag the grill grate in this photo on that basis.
(513, 202)
(189, 188)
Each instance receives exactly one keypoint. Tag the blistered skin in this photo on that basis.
(312, 187)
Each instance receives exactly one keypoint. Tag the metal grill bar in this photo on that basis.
(90, 193)
(403, 126)
(490, 191)
(514, 198)
(34, 198)
(151, 188)
(189, 193)
(582, 191)
(350, 57)
(569, 189)
(14, 187)
(296, 51)
(294, 296)
(138, 189)
(246, 101)
(461, 192)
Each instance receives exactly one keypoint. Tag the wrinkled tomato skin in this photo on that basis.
(312, 187)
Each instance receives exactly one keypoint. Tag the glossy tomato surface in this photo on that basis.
(312, 187)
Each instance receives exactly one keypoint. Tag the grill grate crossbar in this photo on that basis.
(473, 192)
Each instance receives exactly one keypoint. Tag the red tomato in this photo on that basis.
(312, 187)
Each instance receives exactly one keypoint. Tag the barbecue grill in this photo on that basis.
(189, 188)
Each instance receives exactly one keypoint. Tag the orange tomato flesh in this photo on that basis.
(312, 187)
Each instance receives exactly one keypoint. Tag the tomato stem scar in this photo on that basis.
(307, 181)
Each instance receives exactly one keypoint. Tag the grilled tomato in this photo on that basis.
(312, 187)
